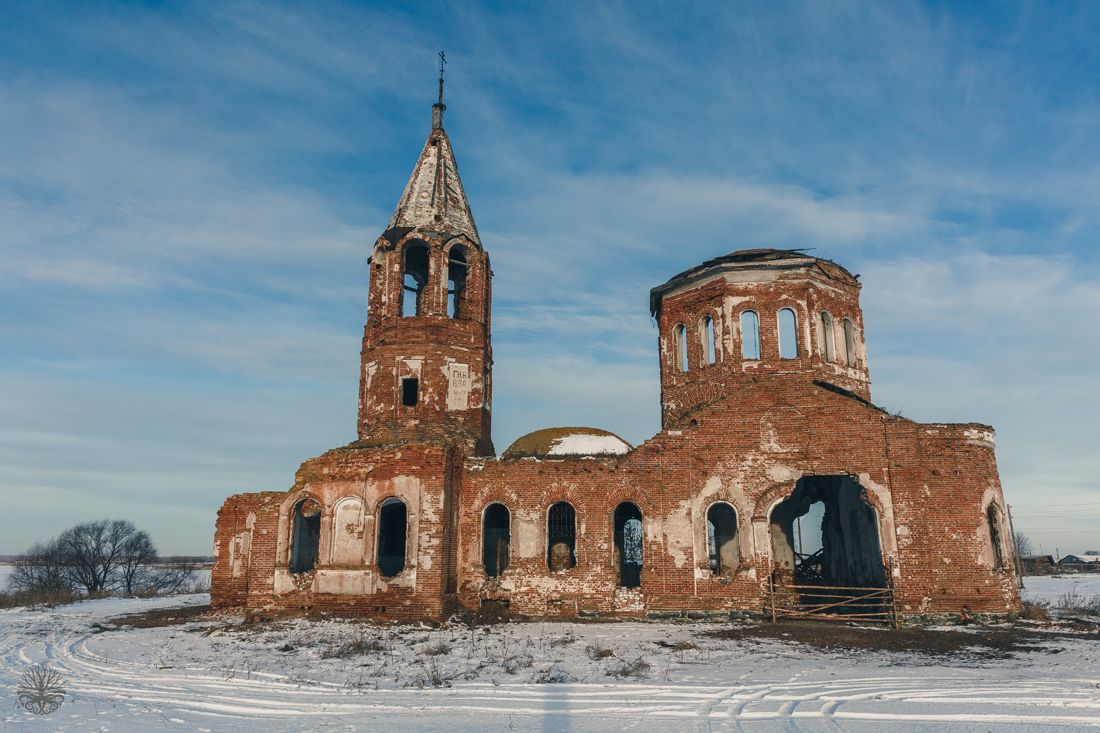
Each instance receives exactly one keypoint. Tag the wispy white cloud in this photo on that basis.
(188, 197)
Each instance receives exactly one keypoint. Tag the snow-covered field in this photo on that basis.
(221, 675)
(1052, 588)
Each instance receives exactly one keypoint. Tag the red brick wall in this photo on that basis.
(734, 431)
(673, 478)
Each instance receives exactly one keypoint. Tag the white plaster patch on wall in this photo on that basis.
(980, 437)
(458, 386)
(527, 537)
(679, 536)
(753, 277)
(344, 582)
(348, 531)
(779, 472)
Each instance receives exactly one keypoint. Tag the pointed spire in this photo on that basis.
(434, 198)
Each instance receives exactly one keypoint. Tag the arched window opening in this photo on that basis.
(710, 347)
(826, 534)
(393, 525)
(495, 537)
(414, 279)
(628, 544)
(681, 348)
(456, 283)
(561, 537)
(305, 535)
(996, 536)
(849, 342)
(750, 335)
(827, 336)
(723, 551)
(788, 334)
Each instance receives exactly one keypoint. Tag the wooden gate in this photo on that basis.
(832, 603)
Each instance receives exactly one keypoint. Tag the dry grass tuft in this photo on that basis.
(635, 669)
(1030, 611)
(598, 651)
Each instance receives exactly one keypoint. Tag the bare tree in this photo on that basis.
(94, 552)
(98, 557)
(1024, 545)
(163, 578)
(138, 553)
(41, 569)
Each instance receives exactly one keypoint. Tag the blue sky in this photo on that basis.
(189, 192)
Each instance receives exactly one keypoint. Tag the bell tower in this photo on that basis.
(427, 355)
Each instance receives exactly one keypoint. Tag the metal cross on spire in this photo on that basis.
(438, 108)
(442, 63)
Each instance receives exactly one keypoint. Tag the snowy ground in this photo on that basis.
(1052, 588)
(220, 675)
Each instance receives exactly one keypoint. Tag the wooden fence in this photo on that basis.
(832, 603)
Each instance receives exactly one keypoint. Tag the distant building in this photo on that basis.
(766, 418)
(1038, 565)
(1079, 564)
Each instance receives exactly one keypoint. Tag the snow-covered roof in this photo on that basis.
(567, 443)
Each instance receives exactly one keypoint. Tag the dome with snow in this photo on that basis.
(567, 443)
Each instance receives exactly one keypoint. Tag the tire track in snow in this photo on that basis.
(838, 704)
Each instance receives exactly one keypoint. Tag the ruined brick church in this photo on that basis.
(772, 466)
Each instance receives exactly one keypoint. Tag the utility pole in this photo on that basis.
(1015, 549)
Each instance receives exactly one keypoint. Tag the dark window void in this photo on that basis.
(393, 521)
(788, 334)
(410, 391)
(996, 535)
(414, 279)
(305, 535)
(628, 544)
(849, 342)
(826, 533)
(723, 552)
(561, 537)
(708, 339)
(681, 348)
(750, 335)
(495, 537)
(456, 283)
(827, 336)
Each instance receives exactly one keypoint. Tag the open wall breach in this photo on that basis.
(842, 548)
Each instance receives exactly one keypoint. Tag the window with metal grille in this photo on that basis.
(561, 537)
